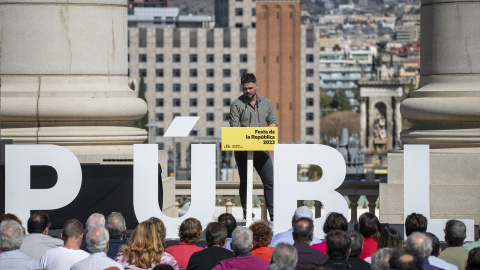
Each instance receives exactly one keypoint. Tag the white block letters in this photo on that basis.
(287, 190)
(20, 198)
(416, 190)
(145, 197)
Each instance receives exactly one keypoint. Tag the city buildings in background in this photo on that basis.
(148, 3)
(192, 64)
(195, 71)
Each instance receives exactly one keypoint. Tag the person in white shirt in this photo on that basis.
(287, 236)
(64, 257)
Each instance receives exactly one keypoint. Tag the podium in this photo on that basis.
(249, 139)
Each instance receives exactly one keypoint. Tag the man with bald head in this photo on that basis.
(97, 243)
(419, 245)
(406, 262)
(308, 258)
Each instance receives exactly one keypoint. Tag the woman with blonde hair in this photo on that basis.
(160, 227)
(145, 249)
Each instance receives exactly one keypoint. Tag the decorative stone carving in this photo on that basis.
(380, 119)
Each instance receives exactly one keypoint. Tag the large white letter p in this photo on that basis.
(20, 198)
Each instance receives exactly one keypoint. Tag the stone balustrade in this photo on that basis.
(229, 189)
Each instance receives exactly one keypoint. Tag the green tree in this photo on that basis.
(340, 101)
(315, 172)
(325, 101)
(132, 85)
(142, 122)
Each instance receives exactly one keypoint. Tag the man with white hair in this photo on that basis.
(285, 254)
(420, 246)
(11, 236)
(287, 236)
(97, 243)
(116, 229)
(242, 244)
(94, 220)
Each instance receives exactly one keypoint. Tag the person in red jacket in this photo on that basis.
(189, 232)
(369, 227)
(262, 235)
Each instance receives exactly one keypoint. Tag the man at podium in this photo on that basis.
(253, 110)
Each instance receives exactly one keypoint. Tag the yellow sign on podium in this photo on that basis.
(249, 138)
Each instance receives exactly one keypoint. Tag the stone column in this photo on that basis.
(389, 124)
(318, 209)
(354, 207)
(363, 123)
(445, 112)
(398, 123)
(263, 207)
(228, 204)
(64, 81)
(372, 199)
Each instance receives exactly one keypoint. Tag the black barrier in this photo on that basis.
(105, 189)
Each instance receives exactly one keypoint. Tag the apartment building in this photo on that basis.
(235, 13)
(341, 69)
(196, 72)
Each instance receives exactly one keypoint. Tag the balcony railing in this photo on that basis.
(229, 189)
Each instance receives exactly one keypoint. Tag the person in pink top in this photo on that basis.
(189, 232)
(242, 244)
(369, 227)
(145, 248)
(334, 221)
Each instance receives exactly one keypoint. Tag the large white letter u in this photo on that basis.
(145, 197)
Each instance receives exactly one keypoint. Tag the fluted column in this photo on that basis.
(63, 74)
(318, 209)
(363, 123)
(445, 112)
(354, 207)
(445, 109)
(372, 199)
(398, 123)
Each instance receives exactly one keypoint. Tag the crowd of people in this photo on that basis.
(101, 245)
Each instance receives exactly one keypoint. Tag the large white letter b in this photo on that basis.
(288, 190)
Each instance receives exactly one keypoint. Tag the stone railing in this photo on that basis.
(229, 189)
